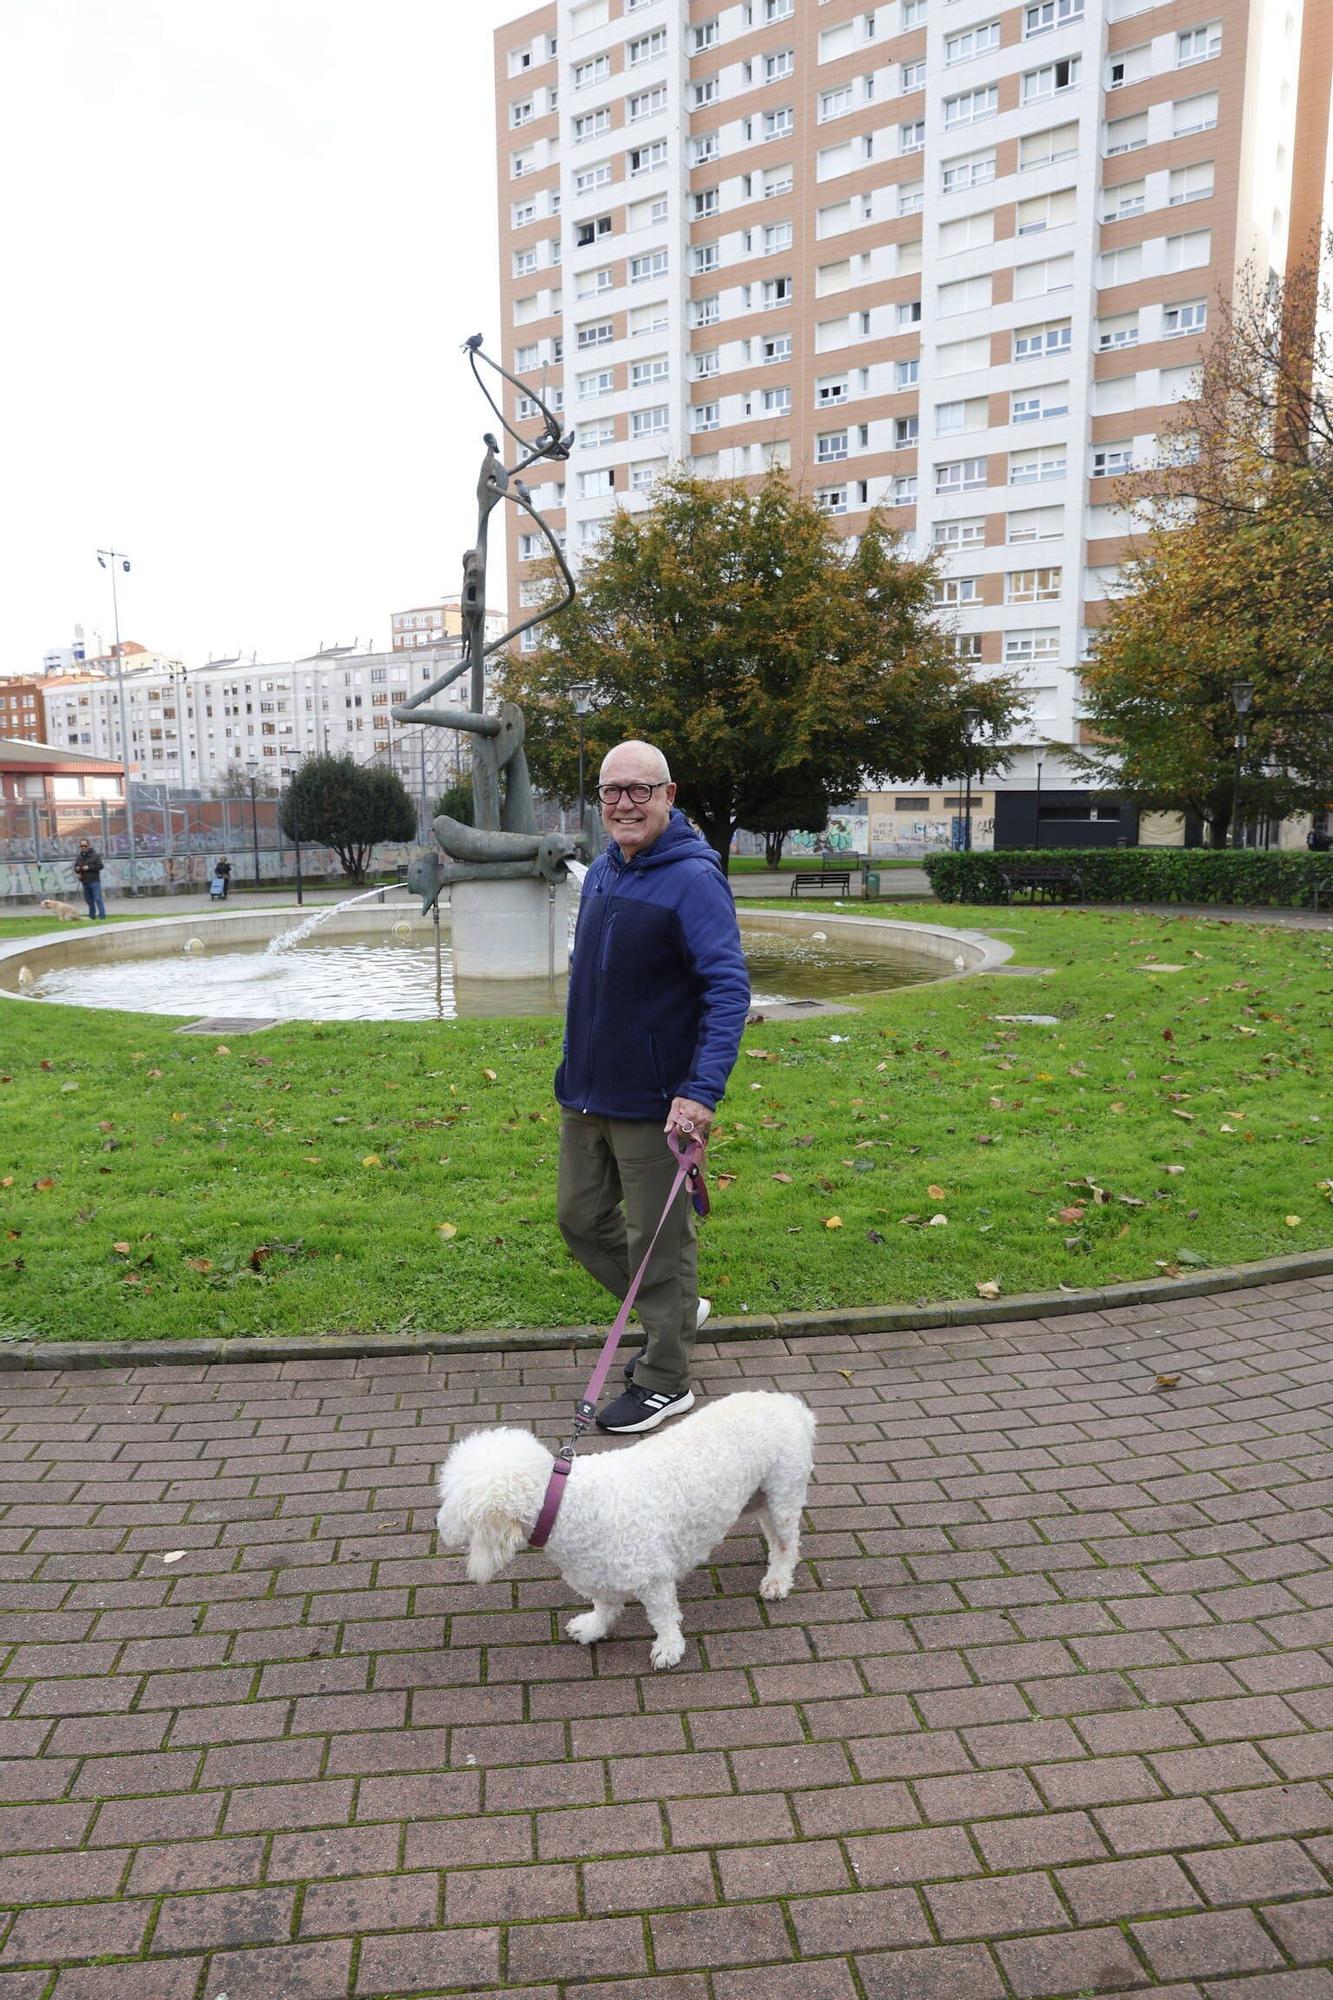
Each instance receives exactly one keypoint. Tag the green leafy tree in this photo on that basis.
(801, 801)
(456, 801)
(347, 806)
(730, 625)
(1229, 579)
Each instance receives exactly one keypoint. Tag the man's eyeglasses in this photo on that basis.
(638, 795)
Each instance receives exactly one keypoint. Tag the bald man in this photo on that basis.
(658, 995)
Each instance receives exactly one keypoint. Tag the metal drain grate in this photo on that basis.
(231, 1024)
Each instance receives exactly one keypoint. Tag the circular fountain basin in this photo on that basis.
(380, 965)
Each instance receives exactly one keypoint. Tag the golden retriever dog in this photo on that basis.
(65, 911)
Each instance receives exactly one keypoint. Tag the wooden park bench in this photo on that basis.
(1323, 891)
(823, 878)
(1048, 885)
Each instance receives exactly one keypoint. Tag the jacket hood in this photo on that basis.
(678, 841)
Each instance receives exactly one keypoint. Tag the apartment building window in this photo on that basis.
(904, 489)
(1194, 114)
(834, 103)
(1028, 406)
(781, 63)
(965, 534)
(590, 124)
(1048, 274)
(908, 312)
(776, 347)
(526, 357)
(1036, 524)
(588, 232)
(906, 374)
(707, 146)
(643, 475)
(913, 76)
(830, 445)
(777, 236)
(913, 13)
(1122, 330)
(911, 199)
(969, 170)
(1025, 648)
(649, 319)
(966, 646)
(967, 232)
(1045, 149)
(779, 124)
(643, 374)
(705, 417)
(776, 292)
(1187, 252)
(593, 177)
(651, 264)
(955, 590)
(1128, 198)
(911, 137)
(595, 484)
(1045, 461)
(644, 48)
(1110, 460)
(961, 475)
(1120, 267)
(520, 164)
(595, 70)
(833, 499)
(521, 114)
(1190, 183)
(647, 103)
(1198, 44)
(706, 364)
(705, 312)
(599, 383)
(644, 159)
(777, 402)
(968, 413)
(525, 409)
(1049, 14)
(779, 10)
(830, 390)
(906, 432)
(967, 107)
(592, 437)
(525, 261)
(1130, 66)
(1126, 135)
(708, 91)
(594, 333)
(777, 181)
(1032, 586)
(1190, 318)
(707, 202)
(522, 213)
(705, 36)
(1050, 79)
(970, 42)
(649, 423)
(705, 257)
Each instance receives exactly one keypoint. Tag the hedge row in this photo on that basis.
(1146, 874)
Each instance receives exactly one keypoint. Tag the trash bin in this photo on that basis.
(872, 882)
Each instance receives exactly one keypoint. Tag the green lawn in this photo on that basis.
(154, 1185)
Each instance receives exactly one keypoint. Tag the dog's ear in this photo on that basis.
(496, 1539)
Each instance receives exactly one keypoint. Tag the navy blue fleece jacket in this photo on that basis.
(658, 990)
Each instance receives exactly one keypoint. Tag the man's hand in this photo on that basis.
(693, 1120)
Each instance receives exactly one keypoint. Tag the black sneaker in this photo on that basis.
(643, 1409)
(704, 1309)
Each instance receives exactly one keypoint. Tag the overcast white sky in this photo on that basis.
(241, 244)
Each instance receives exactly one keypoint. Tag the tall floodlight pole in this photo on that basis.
(970, 720)
(108, 559)
(1242, 700)
(252, 770)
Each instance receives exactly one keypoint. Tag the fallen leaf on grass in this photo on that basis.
(1175, 1170)
(938, 1222)
(988, 1288)
(200, 1264)
(121, 1249)
(44, 1185)
(833, 1222)
(785, 1179)
(1188, 1116)
(1292, 1221)
(1071, 1214)
(446, 1229)
(935, 1193)
(723, 1180)
(490, 1076)
(371, 1160)
(872, 1236)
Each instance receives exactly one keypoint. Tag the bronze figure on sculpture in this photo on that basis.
(504, 844)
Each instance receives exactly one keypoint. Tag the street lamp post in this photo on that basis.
(582, 692)
(970, 720)
(107, 559)
(1041, 759)
(296, 835)
(252, 767)
(1242, 700)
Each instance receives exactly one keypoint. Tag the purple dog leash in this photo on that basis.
(690, 1159)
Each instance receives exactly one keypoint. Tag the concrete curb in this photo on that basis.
(19, 1356)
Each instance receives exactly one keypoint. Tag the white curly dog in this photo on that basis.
(633, 1522)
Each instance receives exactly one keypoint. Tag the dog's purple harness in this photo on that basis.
(689, 1154)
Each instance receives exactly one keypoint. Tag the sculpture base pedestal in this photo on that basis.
(509, 930)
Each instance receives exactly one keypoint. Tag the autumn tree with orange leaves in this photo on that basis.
(1229, 579)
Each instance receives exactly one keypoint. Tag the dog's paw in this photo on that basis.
(668, 1652)
(585, 1628)
(775, 1586)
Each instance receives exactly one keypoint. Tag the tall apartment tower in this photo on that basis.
(953, 258)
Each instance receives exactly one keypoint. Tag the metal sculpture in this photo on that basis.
(503, 844)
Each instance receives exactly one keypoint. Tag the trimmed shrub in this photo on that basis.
(1250, 876)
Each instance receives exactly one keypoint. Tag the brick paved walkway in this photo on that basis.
(1051, 1712)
